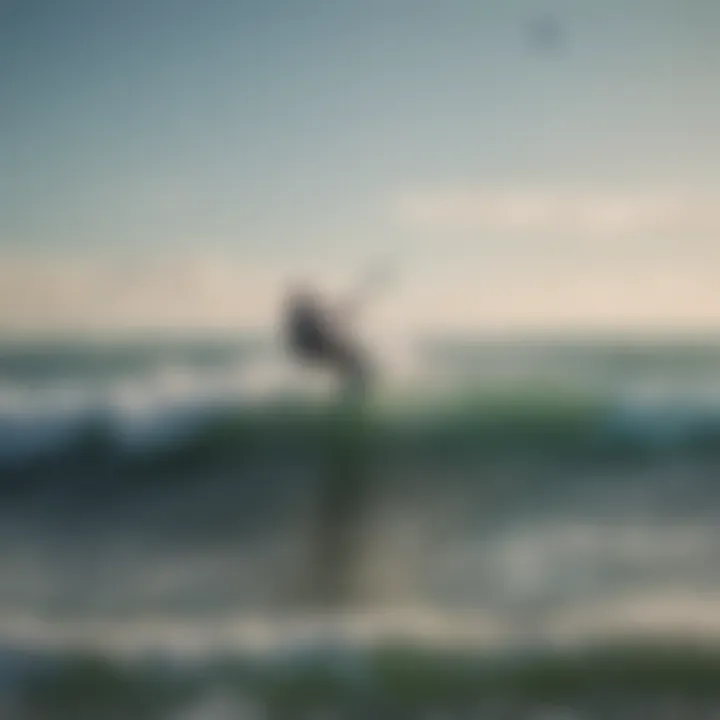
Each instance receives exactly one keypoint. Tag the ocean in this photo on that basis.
(534, 527)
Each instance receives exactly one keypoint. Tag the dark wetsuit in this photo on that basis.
(311, 337)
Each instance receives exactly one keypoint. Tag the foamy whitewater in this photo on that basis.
(525, 493)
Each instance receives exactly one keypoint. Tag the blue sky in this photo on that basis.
(229, 142)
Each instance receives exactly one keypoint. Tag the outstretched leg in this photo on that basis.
(342, 510)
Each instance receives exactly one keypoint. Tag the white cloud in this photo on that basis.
(558, 210)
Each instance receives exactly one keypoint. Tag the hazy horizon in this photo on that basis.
(534, 164)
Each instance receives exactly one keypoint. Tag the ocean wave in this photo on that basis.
(185, 418)
(209, 400)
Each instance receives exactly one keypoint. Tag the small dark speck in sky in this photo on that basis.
(544, 34)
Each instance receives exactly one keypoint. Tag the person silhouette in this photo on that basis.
(318, 333)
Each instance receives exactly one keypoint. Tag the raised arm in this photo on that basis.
(347, 309)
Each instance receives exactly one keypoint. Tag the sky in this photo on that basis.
(527, 163)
